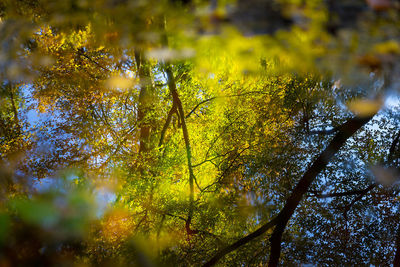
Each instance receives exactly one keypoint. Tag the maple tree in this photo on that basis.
(199, 132)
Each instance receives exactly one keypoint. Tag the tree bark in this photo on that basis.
(146, 99)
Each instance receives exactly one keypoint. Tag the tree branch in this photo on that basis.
(393, 147)
(167, 123)
(198, 105)
(340, 194)
(345, 131)
(324, 132)
(225, 170)
(212, 98)
(14, 106)
(82, 53)
(177, 102)
(362, 193)
(241, 242)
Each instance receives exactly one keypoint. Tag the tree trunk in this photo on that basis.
(146, 101)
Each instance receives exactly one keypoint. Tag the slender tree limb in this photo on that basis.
(167, 123)
(192, 231)
(345, 131)
(340, 194)
(218, 180)
(220, 135)
(393, 147)
(82, 53)
(175, 216)
(323, 132)
(14, 106)
(198, 105)
(211, 159)
(215, 97)
(241, 242)
(362, 193)
(125, 137)
(177, 102)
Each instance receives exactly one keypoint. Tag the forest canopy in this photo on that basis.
(199, 133)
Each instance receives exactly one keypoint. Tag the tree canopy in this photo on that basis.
(196, 133)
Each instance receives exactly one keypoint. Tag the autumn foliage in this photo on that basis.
(195, 133)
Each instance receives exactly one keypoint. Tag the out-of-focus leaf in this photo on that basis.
(169, 54)
(80, 210)
(389, 47)
(4, 226)
(385, 176)
(370, 61)
(38, 212)
(364, 107)
(118, 82)
(379, 5)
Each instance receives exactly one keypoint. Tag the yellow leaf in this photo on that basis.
(118, 82)
(389, 47)
(364, 107)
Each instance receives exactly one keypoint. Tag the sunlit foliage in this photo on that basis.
(183, 133)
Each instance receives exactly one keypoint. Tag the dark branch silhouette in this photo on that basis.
(340, 194)
(177, 102)
(344, 132)
(167, 123)
(360, 196)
